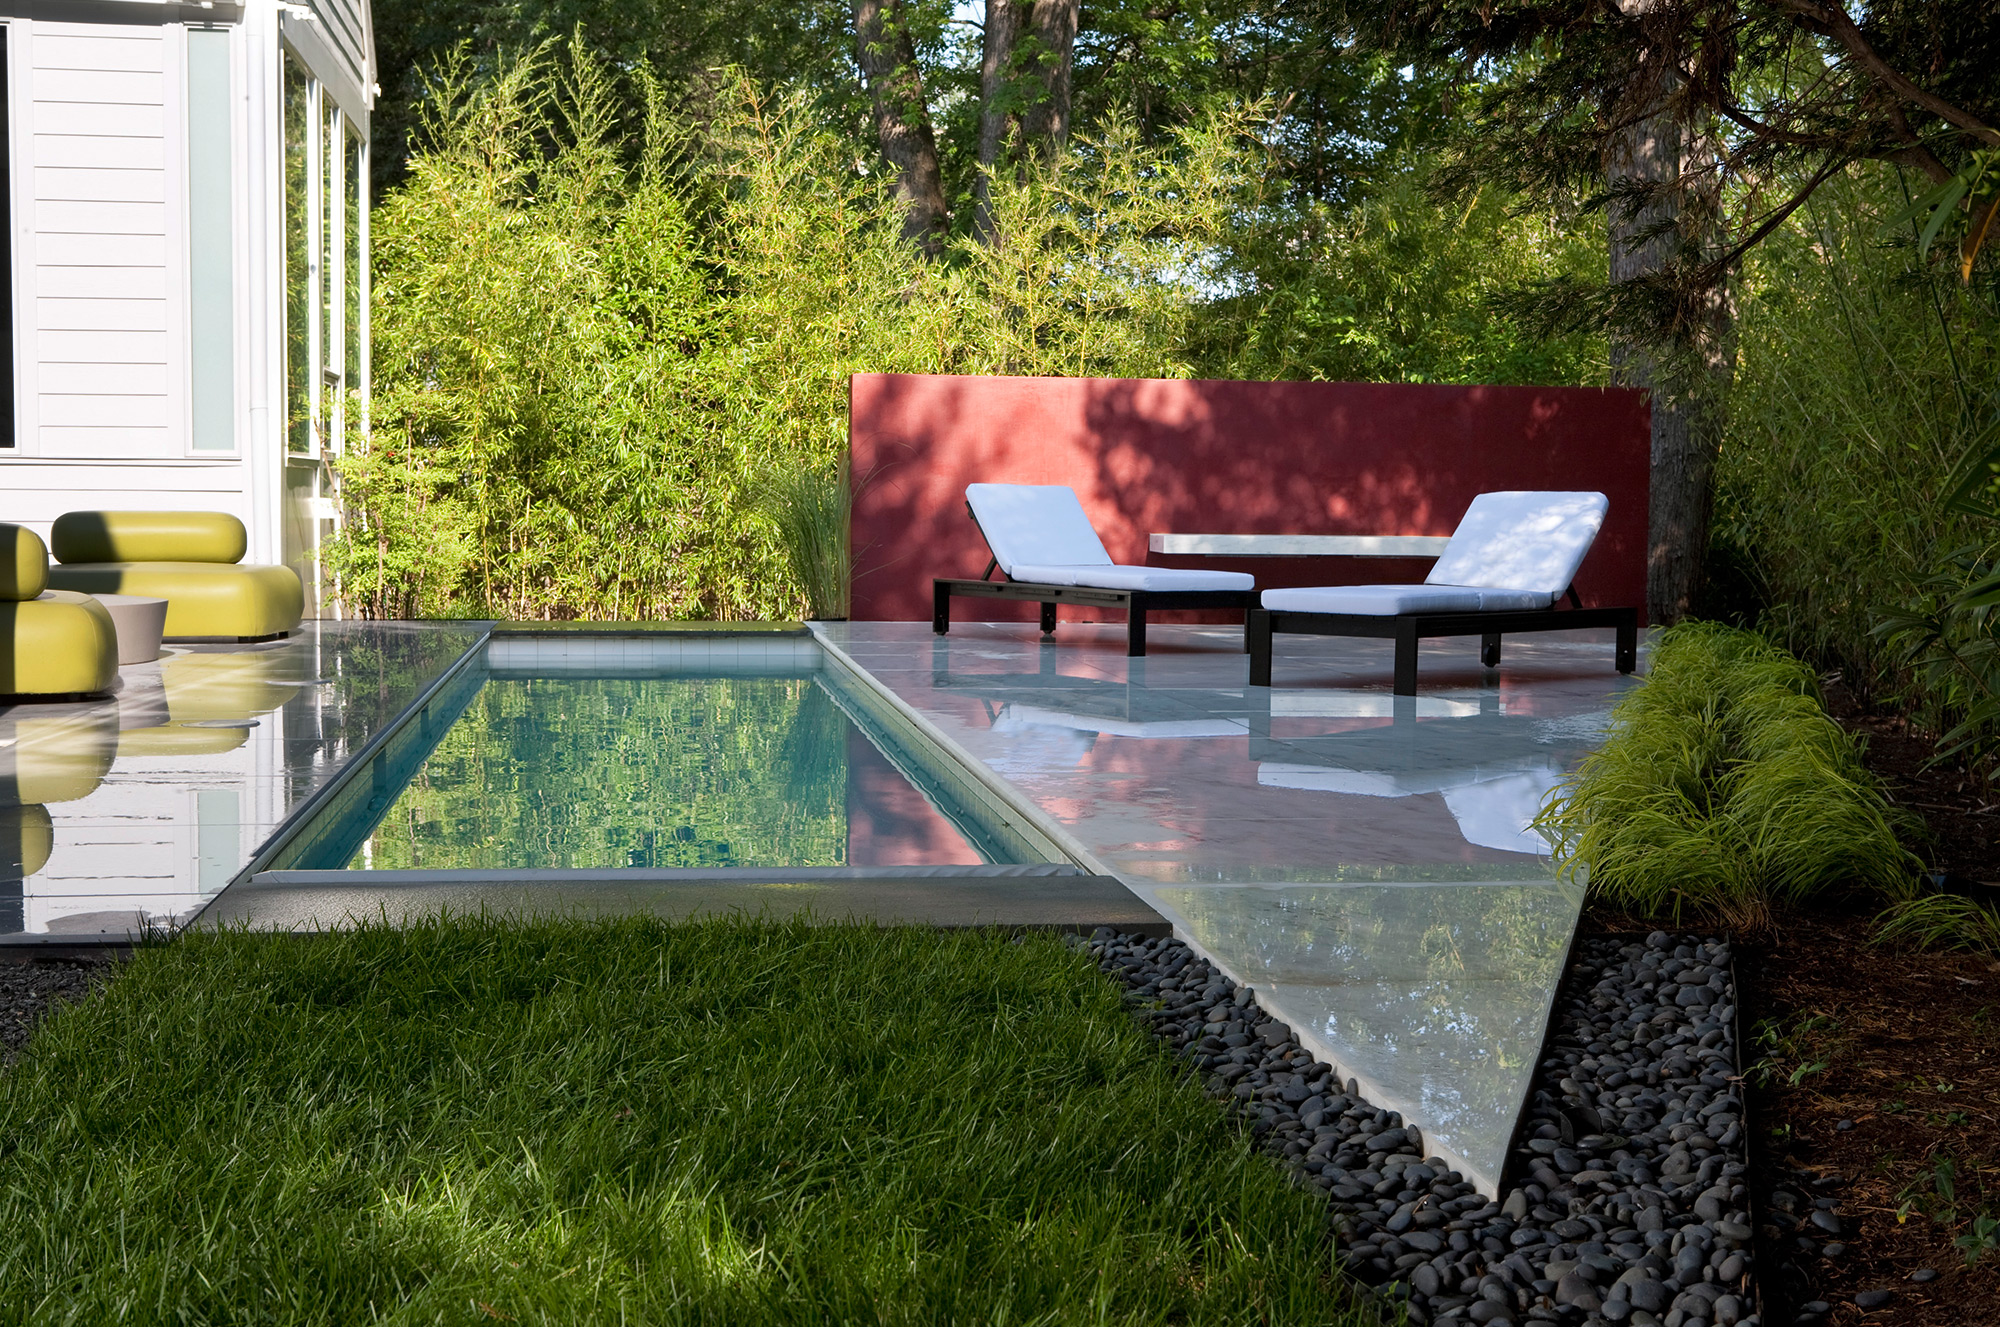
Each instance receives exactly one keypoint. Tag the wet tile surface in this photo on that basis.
(131, 812)
(1363, 860)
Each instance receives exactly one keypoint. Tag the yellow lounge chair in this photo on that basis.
(52, 642)
(191, 559)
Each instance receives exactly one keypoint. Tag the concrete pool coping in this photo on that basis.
(1005, 897)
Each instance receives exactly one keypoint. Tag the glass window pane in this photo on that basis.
(300, 131)
(211, 262)
(338, 221)
(357, 270)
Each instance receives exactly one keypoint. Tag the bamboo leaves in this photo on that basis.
(599, 332)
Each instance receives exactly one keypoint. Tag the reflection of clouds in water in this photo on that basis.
(1490, 812)
(1496, 813)
(1015, 717)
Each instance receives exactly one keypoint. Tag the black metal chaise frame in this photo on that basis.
(1136, 603)
(1406, 629)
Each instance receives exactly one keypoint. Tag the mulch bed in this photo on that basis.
(1872, 1066)
(30, 987)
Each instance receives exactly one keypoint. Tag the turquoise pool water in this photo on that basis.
(581, 772)
(595, 755)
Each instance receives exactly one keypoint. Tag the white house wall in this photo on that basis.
(338, 41)
(104, 377)
(98, 149)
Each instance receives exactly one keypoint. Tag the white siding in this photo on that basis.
(338, 42)
(109, 121)
(103, 364)
(74, 281)
(35, 493)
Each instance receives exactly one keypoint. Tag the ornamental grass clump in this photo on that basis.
(1724, 789)
(1941, 921)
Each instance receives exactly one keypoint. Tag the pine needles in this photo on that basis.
(1725, 789)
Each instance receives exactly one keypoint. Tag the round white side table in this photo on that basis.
(140, 622)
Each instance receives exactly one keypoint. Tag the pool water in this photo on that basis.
(664, 771)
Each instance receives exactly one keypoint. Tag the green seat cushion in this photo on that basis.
(203, 598)
(58, 642)
(148, 536)
(24, 564)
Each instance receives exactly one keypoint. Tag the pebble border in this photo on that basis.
(1627, 1196)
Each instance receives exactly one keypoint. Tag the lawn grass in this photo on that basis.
(631, 1122)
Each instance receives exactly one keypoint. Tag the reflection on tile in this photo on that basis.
(1363, 859)
(1433, 996)
(132, 811)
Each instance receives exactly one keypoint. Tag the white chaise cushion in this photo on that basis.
(1042, 524)
(1512, 551)
(1506, 601)
(1527, 541)
(1116, 577)
(1375, 600)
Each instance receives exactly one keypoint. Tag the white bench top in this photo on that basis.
(1300, 545)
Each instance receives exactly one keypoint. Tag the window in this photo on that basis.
(326, 262)
(211, 248)
(339, 210)
(357, 280)
(301, 256)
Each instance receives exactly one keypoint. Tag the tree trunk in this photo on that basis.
(1686, 368)
(998, 122)
(888, 60)
(1053, 25)
(1645, 239)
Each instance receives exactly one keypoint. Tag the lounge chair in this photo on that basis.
(1511, 560)
(52, 642)
(191, 559)
(1045, 546)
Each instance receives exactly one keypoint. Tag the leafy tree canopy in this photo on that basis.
(1772, 96)
(1342, 116)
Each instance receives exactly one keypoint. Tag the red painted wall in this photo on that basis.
(1156, 455)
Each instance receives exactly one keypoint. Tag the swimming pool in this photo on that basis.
(573, 753)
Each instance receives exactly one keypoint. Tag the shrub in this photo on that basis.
(1724, 789)
(809, 509)
(1866, 377)
(599, 334)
